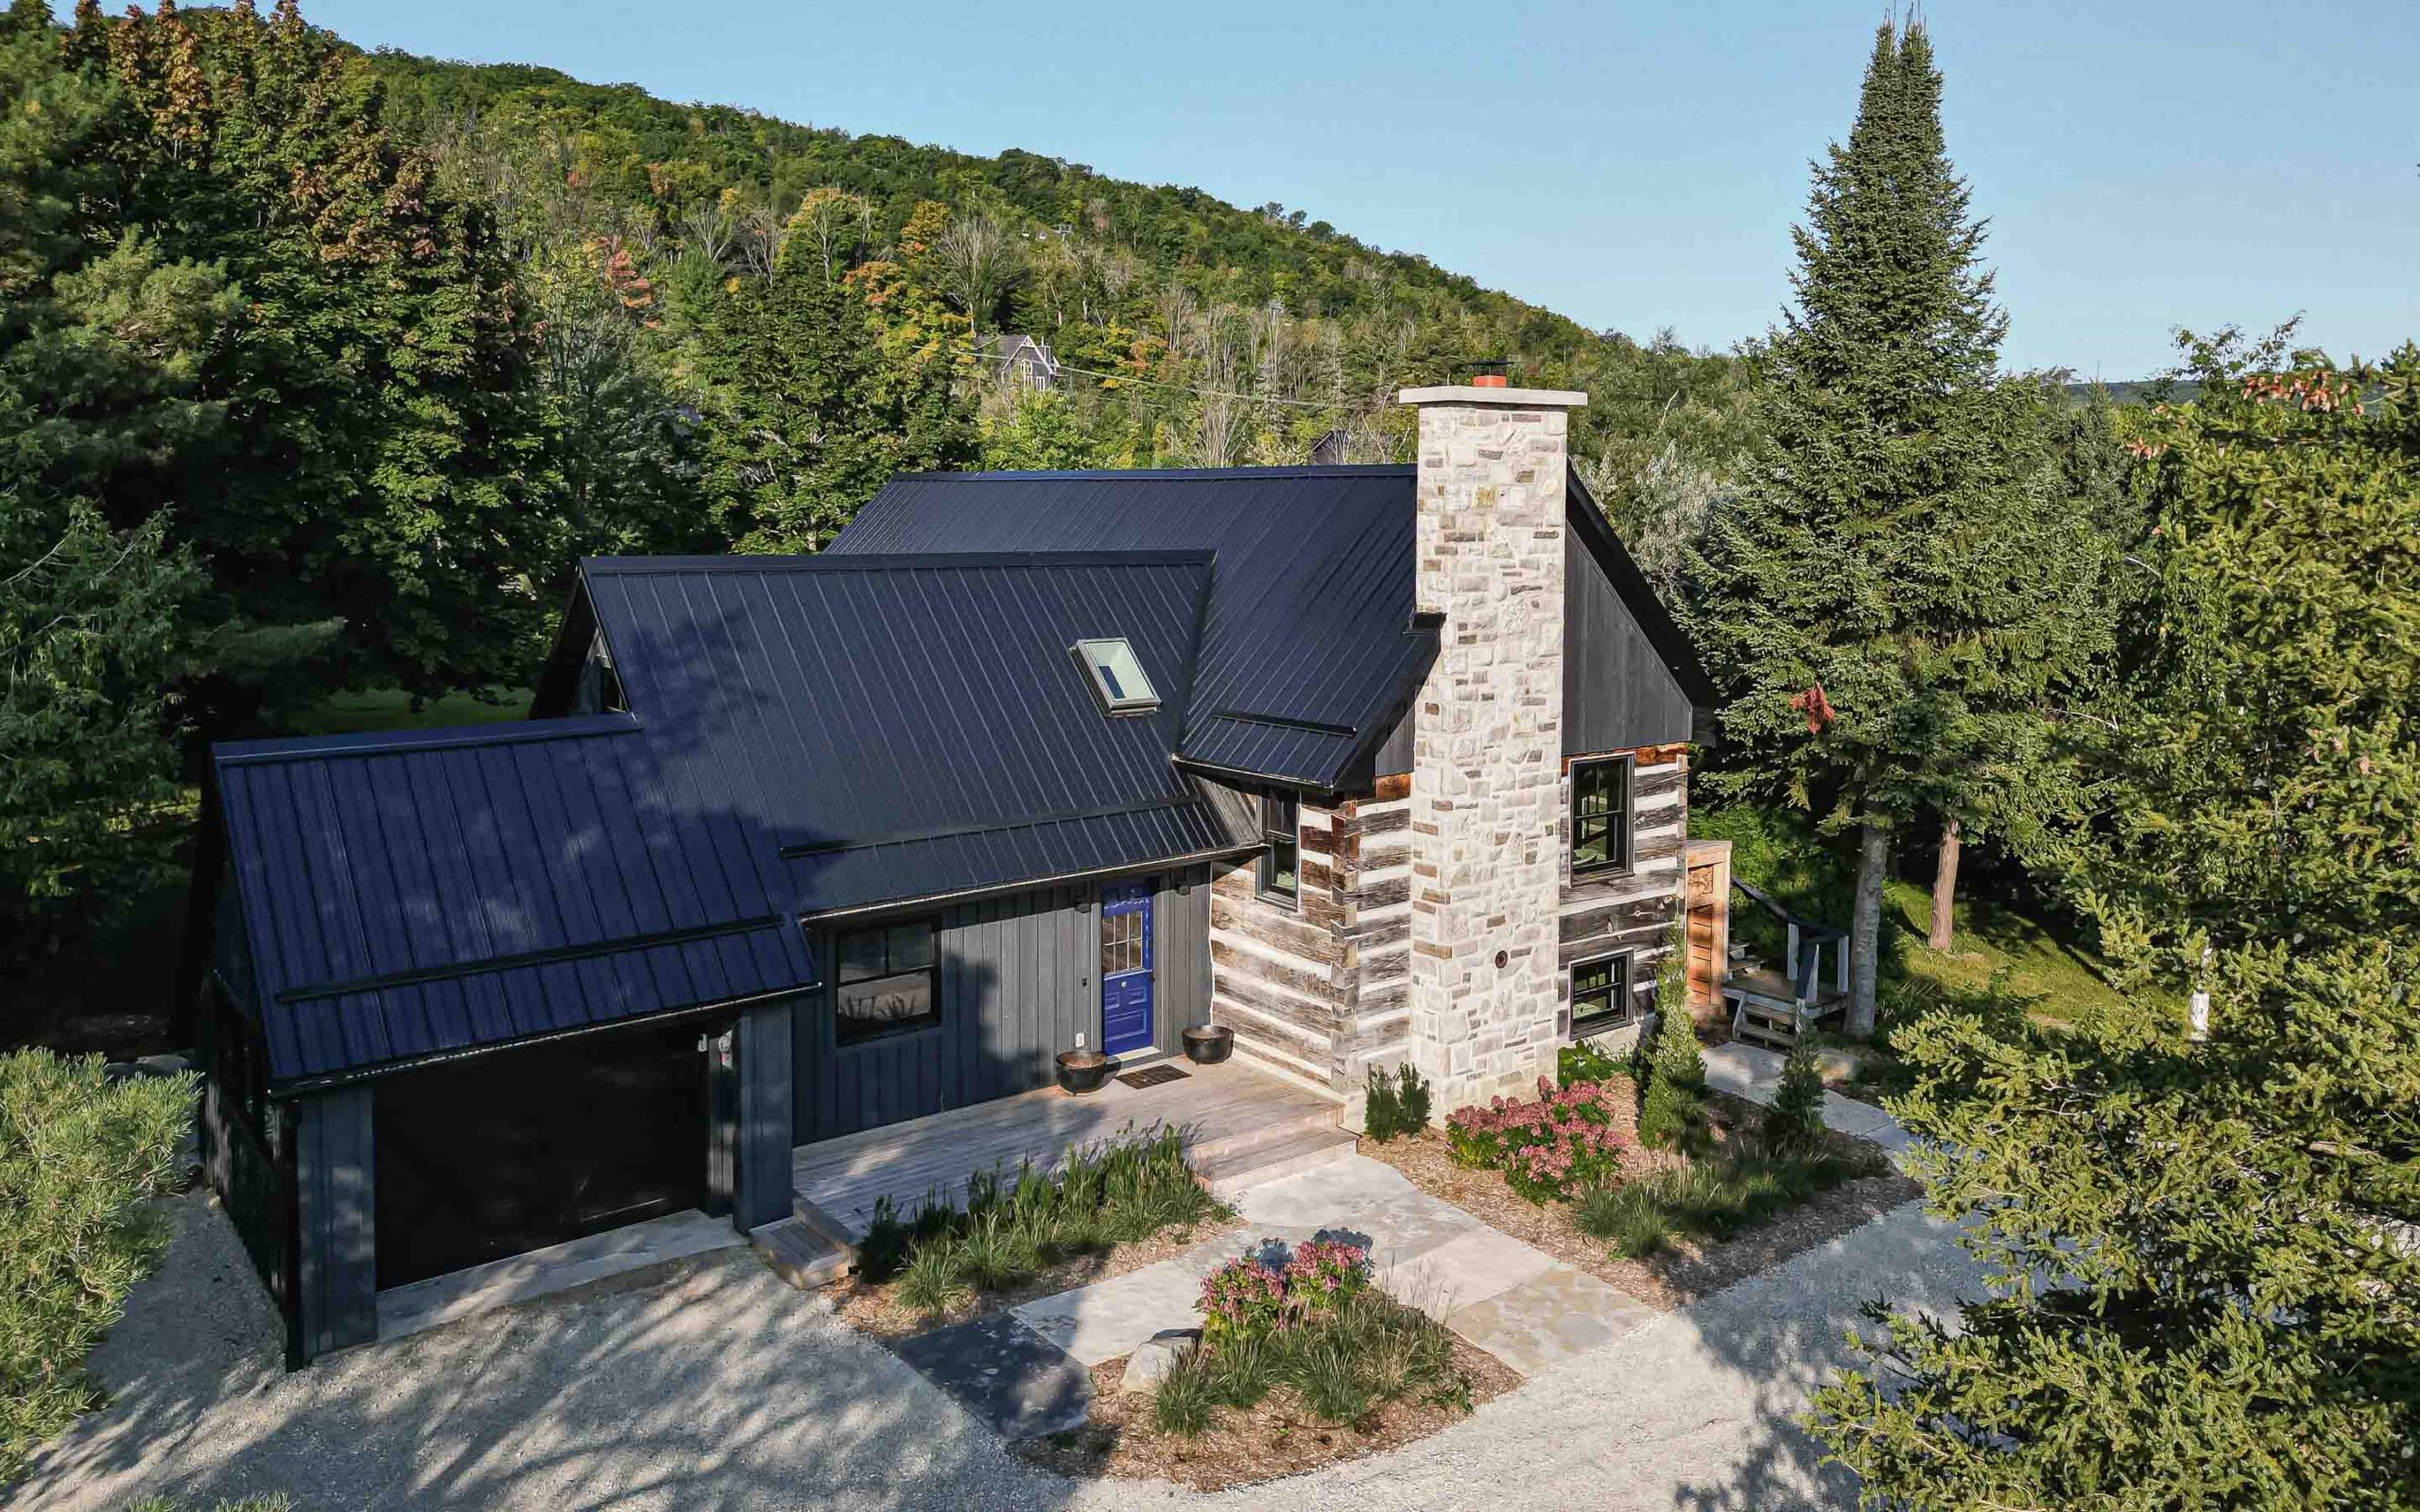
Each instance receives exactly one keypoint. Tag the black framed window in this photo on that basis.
(1600, 816)
(1601, 995)
(1281, 864)
(887, 981)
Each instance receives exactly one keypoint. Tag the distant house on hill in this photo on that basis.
(1027, 362)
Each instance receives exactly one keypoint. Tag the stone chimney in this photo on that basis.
(1487, 739)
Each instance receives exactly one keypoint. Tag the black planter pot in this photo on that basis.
(1084, 1071)
(1209, 1044)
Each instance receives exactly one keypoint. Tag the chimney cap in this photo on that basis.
(1505, 398)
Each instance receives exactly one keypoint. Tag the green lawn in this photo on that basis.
(349, 713)
(2040, 962)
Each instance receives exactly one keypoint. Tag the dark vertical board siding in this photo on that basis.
(1618, 691)
(1018, 982)
(336, 1209)
(762, 1158)
(1181, 952)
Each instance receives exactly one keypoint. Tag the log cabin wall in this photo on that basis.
(1320, 989)
(1632, 912)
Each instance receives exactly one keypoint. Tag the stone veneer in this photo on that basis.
(1486, 807)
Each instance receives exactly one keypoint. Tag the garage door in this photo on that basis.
(502, 1153)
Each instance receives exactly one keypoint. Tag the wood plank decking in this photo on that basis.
(1221, 1109)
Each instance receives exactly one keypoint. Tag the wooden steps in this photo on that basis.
(799, 1254)
(1765, 1009)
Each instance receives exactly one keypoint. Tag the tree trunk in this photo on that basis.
(1866, 927)
(1944, 888)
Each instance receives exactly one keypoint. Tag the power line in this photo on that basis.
(1183, 389)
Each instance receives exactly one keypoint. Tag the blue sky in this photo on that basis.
(1634, 166)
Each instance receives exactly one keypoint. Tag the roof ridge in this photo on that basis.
(887, 562)
(1207, 474)
(437, 737)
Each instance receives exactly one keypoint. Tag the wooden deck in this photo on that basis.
(1219, 1108)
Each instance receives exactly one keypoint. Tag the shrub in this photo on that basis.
(1342, 1360)
(1673, 1078)
(1710, 1200)
(1584, 1062)
(1244, 1299)
(1628, 1215)
(1249, 1298)
(77, 1154)
(1328, 1372)
(1548, 1149)
(935, 1278)
(1397, 1105)
(1183, 1402)
(1013, 1225)
(1796, 1122)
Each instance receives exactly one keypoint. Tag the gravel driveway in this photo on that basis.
(713, 1384)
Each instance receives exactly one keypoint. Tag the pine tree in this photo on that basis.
(818, 402)
(2203, 1289)
(1905, 577)
(1671, 1066)
(1796, 1122)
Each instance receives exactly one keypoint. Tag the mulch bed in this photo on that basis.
(1241, 1447)
(1685, 1271)
(871, 1309)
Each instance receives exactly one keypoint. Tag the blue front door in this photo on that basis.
(1125, 968)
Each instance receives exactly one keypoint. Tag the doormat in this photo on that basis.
(1153, 1076)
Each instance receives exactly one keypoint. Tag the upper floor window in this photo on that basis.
(887, 982)
(1280, 865)
(1117, 678)
(1600, 816)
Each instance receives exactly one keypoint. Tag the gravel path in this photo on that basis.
(713, 1384)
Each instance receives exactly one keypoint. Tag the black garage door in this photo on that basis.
(511, 1151)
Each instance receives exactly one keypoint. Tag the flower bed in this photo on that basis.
(1303, 1361)
(1689, 1257)
(1105, 1209)
(1569, 1140)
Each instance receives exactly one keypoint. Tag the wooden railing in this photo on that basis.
(1803, 956)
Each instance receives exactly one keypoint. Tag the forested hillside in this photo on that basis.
(321, 368)
(1192, 332)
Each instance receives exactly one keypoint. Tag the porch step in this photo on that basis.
(800, 1255)
(826, 1227)
(1301, 1148)
(1274, 1130)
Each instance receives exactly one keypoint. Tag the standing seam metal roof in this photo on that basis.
(1308, 649)
(407, 895)
(910, 728)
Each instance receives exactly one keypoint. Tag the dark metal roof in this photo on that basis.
(915, 727)
(1308, 651)
(412, 894)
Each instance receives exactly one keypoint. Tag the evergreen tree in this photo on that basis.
(346, 415)
(1671, 1066)
(2203, 1289)
(1796, 1122)
(816, 403)
(1905, 577)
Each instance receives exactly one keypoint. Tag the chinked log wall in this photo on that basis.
(1632, 912)
(1320, 990)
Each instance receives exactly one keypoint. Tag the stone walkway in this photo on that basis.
(1755, 1072)
(1025, 1372)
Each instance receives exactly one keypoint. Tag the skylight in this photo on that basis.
(1117, 678)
